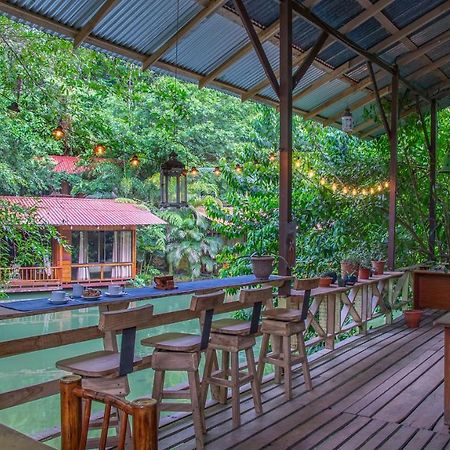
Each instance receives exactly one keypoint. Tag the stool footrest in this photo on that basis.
(172, 393)
(166, 406)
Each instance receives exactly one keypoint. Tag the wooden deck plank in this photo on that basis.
(419, 440)
(380, 437)
(401, 437)
(440, 426)
(417, 391)
(321, 372)
(437, 442)
(339, 385)
(334, 440)
(315, 418)
(363, 435)
(429, 411)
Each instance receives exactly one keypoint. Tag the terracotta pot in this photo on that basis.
(348, 268)
(412, 317)
(262, 266)
(325, 281)
(378, 267)
(363, 273)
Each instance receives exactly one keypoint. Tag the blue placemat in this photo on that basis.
(185, 287)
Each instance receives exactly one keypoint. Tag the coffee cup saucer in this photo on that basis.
(59, 301)
(119, 294)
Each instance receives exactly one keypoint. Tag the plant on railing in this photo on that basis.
(24, 240)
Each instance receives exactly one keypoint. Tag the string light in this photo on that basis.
(238, 168)
(372, 191)
(322, 181)
(354, 192)
(311, 173)
(364, 192)
(334, 187)
(272, 157)
(194, 171)
(216, 171)
(298, 164)
(345, 190)
(134, 161)
(379, 188)
(386, 184)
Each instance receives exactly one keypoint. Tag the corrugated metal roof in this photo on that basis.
(70, 211)
(67, 164)
(140, 27)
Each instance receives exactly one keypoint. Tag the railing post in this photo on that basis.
(70, 412)
(331, 321)
(145, 427)
(390, 301)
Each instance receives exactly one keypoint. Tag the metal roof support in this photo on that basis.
(313, 52)
(212, 6)
(286, 234)
(393, 171)
(378, 98)
(98, 16)
(432, 175)
(246, 21)
(263, 36)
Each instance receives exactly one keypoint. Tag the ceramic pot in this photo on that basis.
(325, 281)
(378, 267)
(348, 268)
(262, 266)
(363, 273)
(412, 317)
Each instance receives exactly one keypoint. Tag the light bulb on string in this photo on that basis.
(216, 171)
(354, 192)
(372, 191)
(322, 181)
(379, 188)
(238, 168)
(345, 190)
(194, 171)
(364, 192)
(334, 187)
(134, 161)
(311, 173)
(298, 164)
(386, 184)
(272, 157)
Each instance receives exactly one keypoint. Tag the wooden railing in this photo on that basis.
(330, 318)
(30, 276)
(102, 266)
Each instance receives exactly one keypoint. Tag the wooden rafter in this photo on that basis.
(211, 7)
(412, 55)
(106, 7)
(253, 36)
(387, 24)
(385, 43)
(378, 99)
(368, 55)
(426, 69)
(312, 53)
(263, 36)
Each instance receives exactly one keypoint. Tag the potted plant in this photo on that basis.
(379, 260)
(364, 270)
(350, 264)
(412, 317)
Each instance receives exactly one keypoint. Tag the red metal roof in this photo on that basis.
(67, 164)
(71, 211)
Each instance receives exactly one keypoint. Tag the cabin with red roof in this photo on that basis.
(102, 238)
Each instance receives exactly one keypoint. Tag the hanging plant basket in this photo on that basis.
(262, 266)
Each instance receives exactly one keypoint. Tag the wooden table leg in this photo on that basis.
(447, 375)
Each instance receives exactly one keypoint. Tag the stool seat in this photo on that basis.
(231, 326)
(94, 365)
(283, 314)
(175, 342)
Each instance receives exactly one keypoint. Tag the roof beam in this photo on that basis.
(428, 46)
(429, 67)
(263, 36)
(391, 28)
(312, 53)
(381, 110)
(316, 21)
(348, 65)
(211, 7)
(246, 21)
(106, 7)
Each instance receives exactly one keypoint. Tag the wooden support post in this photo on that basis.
(70, 412)
(145, 426)
(393, 171)
(285, 189)
(432, 174)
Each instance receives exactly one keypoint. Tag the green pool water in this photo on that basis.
(36, 367)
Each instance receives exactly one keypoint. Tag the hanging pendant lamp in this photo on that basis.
(347, 121)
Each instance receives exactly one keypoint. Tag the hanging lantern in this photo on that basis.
(173, 183)
(134, 161)
(58, 133)
(238, 168)
(446, 167)
(99, 150)
(217, 171)
(194, 171)
(347, 121)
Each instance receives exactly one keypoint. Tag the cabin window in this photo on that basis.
(97, 254)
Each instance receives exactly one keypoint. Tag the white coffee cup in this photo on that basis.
(58, 296)
(114, 289)
(77, 290)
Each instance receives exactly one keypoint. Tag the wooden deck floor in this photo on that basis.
(383, 390)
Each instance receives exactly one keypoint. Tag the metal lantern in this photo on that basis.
(58, 133)
(347, 121)
(446, 167)
(99, 150)
(173, 183)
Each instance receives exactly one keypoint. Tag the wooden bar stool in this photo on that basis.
(181, 352)
(279, 326)
(232, 336)
(107, 370)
